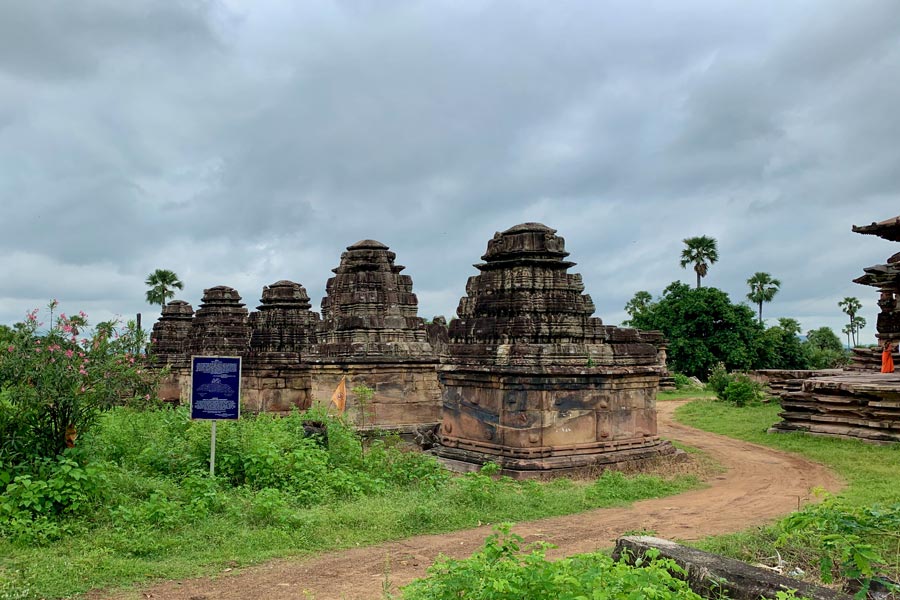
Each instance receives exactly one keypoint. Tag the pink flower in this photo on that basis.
(82, 388)
(11, 348)
(67, 328)
(69, 353)
(82, 372)
(82, 314)
(146, 396)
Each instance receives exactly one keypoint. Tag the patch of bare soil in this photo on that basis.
(759, 485)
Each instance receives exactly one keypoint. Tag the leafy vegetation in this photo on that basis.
(503, 569)
(736, 388)
(134, 500)
(851, 305)
(704, 329)
(55, 384)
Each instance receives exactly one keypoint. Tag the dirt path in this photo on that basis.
(759, 485)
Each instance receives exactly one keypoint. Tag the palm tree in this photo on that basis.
(762, 289)
(858, 324)
(163, 284)
(702, 252)
(846, 330)
(851, 306)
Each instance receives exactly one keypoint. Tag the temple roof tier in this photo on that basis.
(888, 229)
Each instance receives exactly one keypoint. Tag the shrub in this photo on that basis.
(742, 391)
(845, 538)
(33, 502)
(736, 388)
(501, 570)
(718, 379)
(263, 451)
(683, 382)
(56, 385)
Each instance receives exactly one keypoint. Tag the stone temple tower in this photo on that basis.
(534, 382)
(371, 333)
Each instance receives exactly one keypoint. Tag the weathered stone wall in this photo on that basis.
(549, 420)
(407, 395)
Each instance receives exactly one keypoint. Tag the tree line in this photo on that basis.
(705, 328)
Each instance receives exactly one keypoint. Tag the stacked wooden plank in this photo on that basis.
(863, 406)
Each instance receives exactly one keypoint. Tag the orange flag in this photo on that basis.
(339, 397)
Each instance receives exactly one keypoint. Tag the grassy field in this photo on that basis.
(685, 394)
(866, 514)
(158, 516)
(872, 472)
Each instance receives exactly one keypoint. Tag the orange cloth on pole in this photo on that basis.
(339, 397)
(887, 360)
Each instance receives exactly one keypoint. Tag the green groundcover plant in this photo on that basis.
(134, 498)
(504, 570)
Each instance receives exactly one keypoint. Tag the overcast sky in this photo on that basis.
(239, 143)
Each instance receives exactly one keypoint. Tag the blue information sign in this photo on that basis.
(215, 387)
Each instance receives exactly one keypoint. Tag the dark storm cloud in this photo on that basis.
(245, 143)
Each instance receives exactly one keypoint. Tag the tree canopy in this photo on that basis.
(704, 328)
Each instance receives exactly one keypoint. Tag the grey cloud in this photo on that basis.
(240, 144)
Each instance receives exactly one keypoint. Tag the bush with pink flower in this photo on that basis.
(56, 382)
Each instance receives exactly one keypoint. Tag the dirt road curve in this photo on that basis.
(759, 485)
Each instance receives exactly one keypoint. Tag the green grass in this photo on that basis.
(685, 394)
(872, 474)
(111, 555)
(157, 520)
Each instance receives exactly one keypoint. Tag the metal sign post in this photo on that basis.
(215, 394)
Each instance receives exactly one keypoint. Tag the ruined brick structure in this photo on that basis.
(171, 331)
(534, 382)
(283, 324)
(168, 340)
(371, 333)
(886, 278)
(525, 377)
(860, 403)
